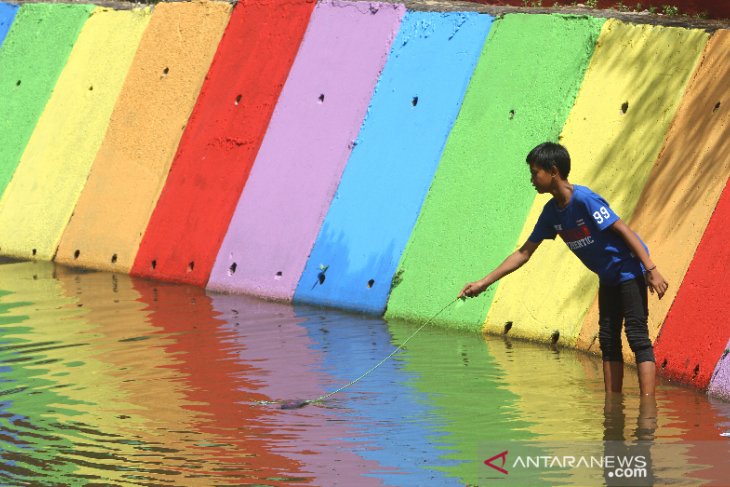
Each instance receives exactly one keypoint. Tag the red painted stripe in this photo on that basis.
(695, 332)
(221, 140)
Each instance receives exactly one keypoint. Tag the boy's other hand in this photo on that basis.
(656, 282)
(473, 289)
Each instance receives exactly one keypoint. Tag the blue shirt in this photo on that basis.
(584, 227)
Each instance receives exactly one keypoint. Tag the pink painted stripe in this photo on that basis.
(308, 143)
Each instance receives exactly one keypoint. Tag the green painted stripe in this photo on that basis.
(520, 95)
(31, 59)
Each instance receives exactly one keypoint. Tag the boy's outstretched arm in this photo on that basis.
(513, 262)
(654, 279)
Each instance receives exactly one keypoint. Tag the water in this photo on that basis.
(109, 380)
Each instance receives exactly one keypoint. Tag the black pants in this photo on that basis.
(625, 303)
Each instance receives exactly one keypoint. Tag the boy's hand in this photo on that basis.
(473, 289)
(656, 282)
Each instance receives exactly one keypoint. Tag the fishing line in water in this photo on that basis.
(298, 403)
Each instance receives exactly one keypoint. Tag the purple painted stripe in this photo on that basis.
(308, 143)
(720, 382)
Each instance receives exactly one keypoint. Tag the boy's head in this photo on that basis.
(549, 155)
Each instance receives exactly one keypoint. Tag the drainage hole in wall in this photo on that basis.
(17, 83)
(91, 88)
(697, 370)
(77, 253)
(414, 101)
(321, 98)
(664, 363)
(278, 275)
(34, 251)
(507, 327)
(238, 100)
(232, 269)
(321, 277)
(165, 71)
(625, 107)
(191, 266)
(555, 337)
(717, 107)
(371, 283)
(153, 264)
(114, 258)
(511, 114)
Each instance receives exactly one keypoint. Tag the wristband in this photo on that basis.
(649, 270)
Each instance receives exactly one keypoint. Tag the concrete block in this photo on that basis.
(720, 382)
(7, 14)
(672, 213)
(693, 337)
(42, 194)
(32, 57)
(386, 179)
(311, 134)
(221, 140)
(614, 133)
(146, 125)
(520, 93)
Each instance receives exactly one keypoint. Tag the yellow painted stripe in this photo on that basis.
(41, 196)
(644, 69)
(672, 214)
(133, 161)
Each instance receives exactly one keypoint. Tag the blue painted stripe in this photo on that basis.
(7, 14)
(415, 104)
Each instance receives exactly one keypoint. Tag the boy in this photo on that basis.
(608, 247)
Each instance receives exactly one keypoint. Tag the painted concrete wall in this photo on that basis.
(7, 14)
(712, 8)
(54, 167)
(172, 154)
(671, 215)
(414, 106)
(693, 337)
(720, 383)
(614, 133)
(150, 115)
(307, 145)
(221, 140)
(520, 93)
(32, 56)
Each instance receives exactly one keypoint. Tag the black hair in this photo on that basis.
(549, 154)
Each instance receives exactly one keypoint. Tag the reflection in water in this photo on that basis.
(633, 464)
(105, 379)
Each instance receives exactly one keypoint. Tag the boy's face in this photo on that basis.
(540, 178)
